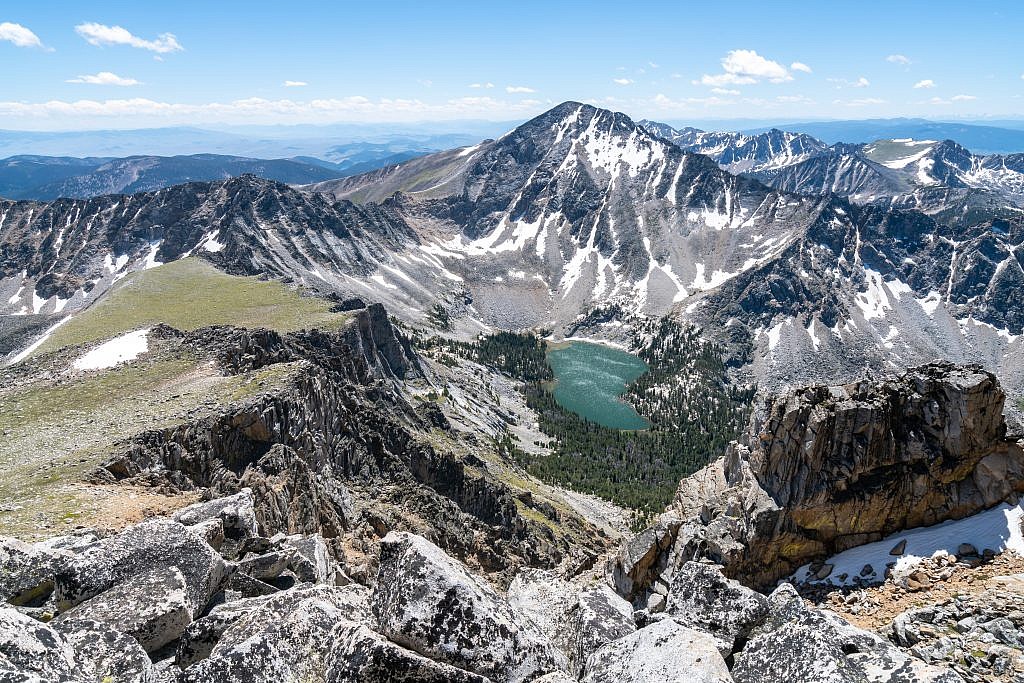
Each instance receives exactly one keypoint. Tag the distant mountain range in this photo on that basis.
(583, 222)
(941, 178)
(35, 177)
(979, 138)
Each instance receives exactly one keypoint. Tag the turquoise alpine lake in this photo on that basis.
(590, 379)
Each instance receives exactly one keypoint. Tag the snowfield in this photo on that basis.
(998, 529)
(118, 350)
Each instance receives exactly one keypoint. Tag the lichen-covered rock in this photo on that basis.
(152, 607)
(798, 644)
(266, 566)
(703, 599)
(31, 649)
(153, 544)
(27, 570)
(577, 620)
(359, 655)
(108, 653)
(664, 652)
(286, 636)
(429, 603)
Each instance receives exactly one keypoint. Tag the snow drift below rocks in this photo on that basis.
(998, 529)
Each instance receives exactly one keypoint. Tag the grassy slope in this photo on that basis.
(191, 293)
(54, 431)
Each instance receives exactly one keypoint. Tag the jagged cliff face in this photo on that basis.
(824, 469)
(339, 452)
(62, 256)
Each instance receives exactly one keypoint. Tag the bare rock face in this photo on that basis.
(664, 652)
(829, 468)
(702, 598)
(107, 651)
(577, 619)
(153, 544)
(796, 644)
(429, 603)
(151, 607)
(31, 651)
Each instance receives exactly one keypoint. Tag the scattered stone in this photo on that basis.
(899, 548)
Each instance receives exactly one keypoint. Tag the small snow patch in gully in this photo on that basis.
(118, 350)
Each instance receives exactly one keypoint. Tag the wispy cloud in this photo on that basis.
(511, 89)
(355, 108)
(105, 78)
(487, 86)
(898, 59)
(725, 91)
(101, 35)
(963, 98)
(295, 84)
(800, 66)
(860, 83)
(861, 102)
(621, 81)
(19, 35)
(746, 67)
(926, 83)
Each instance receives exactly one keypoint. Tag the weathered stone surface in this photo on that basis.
(32, 649)
(281, 637)
(236, 512)
(797, 644)
(642, 557)
(359, 655)
(664, 652)
(154, 544)
(107, 652)
(27, 570)
(266, 566)
(577, 620)
(311, 562)
(703, 599)
(828, 468)
(429, 603)
(152, 607)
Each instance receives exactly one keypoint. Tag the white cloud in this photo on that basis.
(861, 83)
(295, 84)
(746, 67)
(481, 85)
(898, 59)
(653, 65)
(963, 98)
(681, 75)
(863, 102)
(104, 78)
(718, 80)
(926, 83)
(19, 35)
(518, 88)
(59, 114)
(425, 82)
(792, 99)
(800, 66)
(622, 81)
(100, 35)
(725, 91)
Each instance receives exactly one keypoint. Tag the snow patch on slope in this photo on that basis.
(118, 350)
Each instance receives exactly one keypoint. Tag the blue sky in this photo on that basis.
(137, 64)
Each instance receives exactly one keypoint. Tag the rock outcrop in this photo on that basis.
(828, 468)
(424, 617)
(337, 452)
